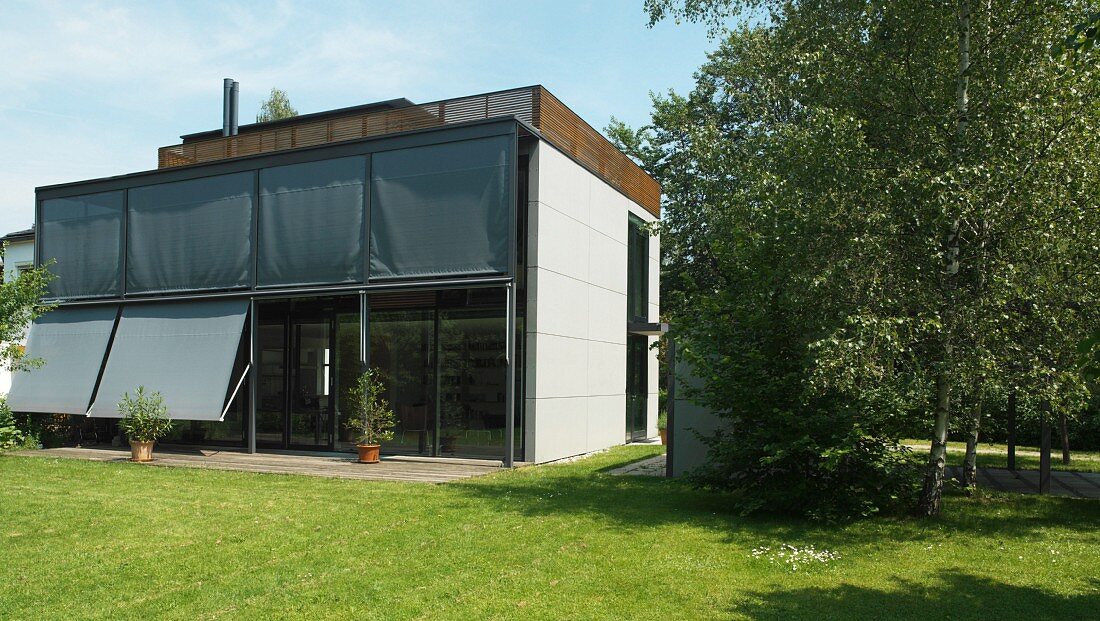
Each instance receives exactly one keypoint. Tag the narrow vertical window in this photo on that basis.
(637, 267)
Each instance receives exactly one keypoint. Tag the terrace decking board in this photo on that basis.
(331, 466)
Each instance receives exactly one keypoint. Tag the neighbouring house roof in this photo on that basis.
(16, 236)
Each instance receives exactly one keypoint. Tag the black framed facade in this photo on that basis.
(297, 226)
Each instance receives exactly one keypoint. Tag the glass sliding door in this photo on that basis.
(309, 356)
(637, 379)
(311, 402)
(441, 355)
(473, 380)
(348, 368)
(271, 393)
(402, 349)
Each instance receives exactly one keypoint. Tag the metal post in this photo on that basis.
(510, 382)
(233, 100)
(253, 373)
(1012, 431)
(670, 405)
(364, 339)
(227, 96)
(1044, 451)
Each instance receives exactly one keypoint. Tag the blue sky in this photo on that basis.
(92, 89)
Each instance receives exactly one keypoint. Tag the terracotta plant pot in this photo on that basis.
(368, 453)
(141, 451)
(664, 435)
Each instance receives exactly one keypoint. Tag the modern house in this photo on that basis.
(18, 256)
(488, 254)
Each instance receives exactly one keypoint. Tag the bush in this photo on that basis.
(11, 436)
(144, 417)
(831, 475)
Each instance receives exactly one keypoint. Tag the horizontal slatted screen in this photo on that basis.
(568, 132)
(533, 105)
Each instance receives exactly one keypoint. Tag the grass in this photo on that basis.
(88, 540)
(1027, 457)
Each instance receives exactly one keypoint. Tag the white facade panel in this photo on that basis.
(562, 244)
(606, 310)
(562, 366)
(606, 369)
(607, 263)
(576, 399)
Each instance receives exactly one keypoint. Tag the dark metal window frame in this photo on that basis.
(636, 235)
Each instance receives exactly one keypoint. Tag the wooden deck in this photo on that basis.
(333, 465)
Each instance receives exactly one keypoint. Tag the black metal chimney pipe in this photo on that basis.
(227, 96)
(233, 109)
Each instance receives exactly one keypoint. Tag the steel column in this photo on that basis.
(253, 372)
(670, 404)
(510, 382)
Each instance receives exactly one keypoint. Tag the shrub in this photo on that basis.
(11, 436)
(144, 416)
(372, 418)
(830, 475)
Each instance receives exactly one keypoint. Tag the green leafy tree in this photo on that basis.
(879, 216)
(20, 304)
(275, 107)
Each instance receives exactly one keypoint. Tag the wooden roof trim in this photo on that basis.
(533, 105)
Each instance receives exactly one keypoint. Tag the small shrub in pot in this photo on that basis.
(372, 418)
(144, 420)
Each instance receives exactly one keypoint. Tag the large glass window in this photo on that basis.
(190, 235)
(311, 223)
(82, 235)
(637, 267)
(441, 210)
(442, 357)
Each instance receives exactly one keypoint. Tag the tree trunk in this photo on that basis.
(929, 503)
(970, 462)
(1063, 430)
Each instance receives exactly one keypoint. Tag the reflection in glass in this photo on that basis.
(442, 358)
(271, 399)
(310, 398)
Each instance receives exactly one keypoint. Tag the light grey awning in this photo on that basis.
(184, 350)
(71, 342)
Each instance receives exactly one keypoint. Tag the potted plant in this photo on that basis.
(372, 418)
(450, 426)
(145, 420)
(662, 427)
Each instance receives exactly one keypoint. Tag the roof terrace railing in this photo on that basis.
(533, 105)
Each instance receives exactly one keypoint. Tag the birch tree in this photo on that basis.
(885, 212)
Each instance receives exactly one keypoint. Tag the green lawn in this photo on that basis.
(1027, 457)
(86, 540)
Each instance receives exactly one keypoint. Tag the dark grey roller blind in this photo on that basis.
(184, 350)
(311, 222)
(441, 210)
(82, 235)
(190, 235)
(71, 343)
